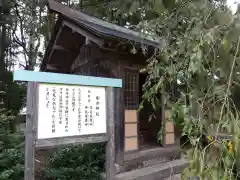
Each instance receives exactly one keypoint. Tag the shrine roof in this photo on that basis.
(101, 27)
(73, 29)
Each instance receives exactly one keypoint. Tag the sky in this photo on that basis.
(233, 4)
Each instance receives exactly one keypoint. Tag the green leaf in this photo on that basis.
(134, 6)
(225, 44)
(195, 64)
(169, 4)
(158, 6)
(223, 18)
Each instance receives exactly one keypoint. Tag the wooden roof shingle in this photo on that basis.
(101, 27)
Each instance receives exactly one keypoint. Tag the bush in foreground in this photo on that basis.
(76, 162)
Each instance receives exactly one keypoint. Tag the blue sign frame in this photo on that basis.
(59, 78)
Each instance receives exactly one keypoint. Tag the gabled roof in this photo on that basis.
(100, 27)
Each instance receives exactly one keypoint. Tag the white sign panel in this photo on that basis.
(67, 110)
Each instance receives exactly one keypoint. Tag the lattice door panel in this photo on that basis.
(131, 89)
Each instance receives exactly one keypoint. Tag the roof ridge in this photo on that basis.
(86, 19)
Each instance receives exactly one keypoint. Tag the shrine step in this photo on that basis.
(156, 172)
(149, 157)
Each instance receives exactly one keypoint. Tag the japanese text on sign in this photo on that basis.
(70, 111)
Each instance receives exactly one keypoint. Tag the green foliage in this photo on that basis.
(15, 93)
(13, 99)
(69, 163)
(11, 150)
(77, 162)
(202, 56)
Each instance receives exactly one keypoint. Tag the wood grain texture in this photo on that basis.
(130, 116)
(119, 127)
(169, 138)
(156, 172)
(110, 147)
(87, 34)
(59, 142)
(131, 130)
(30, 132)
(131, 143)
(169, 127)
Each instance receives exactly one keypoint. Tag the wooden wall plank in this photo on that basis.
(57, 142)
(169, 127)
(130, 116)
(169, 138)
(131, 144)
(131, 130)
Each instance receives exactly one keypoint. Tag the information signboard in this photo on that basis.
(65, 109)
(68, 110)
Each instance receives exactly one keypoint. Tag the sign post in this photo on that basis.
(68, 109)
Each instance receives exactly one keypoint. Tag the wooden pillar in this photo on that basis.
(30, 132)
(119, 126)
(110, 147)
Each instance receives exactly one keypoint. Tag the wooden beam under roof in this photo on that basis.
(60, 48)
(99, 41)
(64, 46)
(88, 52)
(51, 67)
(51, 46)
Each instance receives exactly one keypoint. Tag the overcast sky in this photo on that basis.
(233, 4)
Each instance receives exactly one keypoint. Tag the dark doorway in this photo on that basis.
(148, 129)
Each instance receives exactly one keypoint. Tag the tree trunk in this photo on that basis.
(32, 59)
(2, 53)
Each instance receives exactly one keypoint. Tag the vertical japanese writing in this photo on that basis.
(71, 110)
(89, 96)
(60, 105)
(87, 109)
(91, 116)
(86, 115)
(97, 105)
(47, 98)
(66, 109)
(79, 110)
(54, 108)
(90, 122)
(73, 100)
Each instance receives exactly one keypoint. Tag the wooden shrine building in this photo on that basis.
(84, 45)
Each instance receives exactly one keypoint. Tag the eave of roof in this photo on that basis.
(100, 27)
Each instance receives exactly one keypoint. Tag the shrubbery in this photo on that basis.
(11, 164)
(11, 150)
(76, 162)
(71, 163)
